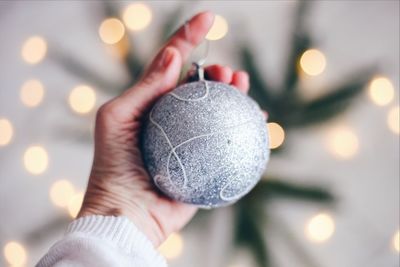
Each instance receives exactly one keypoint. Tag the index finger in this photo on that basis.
(188, 36)
(191, 34)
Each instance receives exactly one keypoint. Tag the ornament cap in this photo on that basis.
(196, 73)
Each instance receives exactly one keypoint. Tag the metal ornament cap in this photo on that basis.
(205, 143)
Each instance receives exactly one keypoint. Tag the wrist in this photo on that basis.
(110, 206)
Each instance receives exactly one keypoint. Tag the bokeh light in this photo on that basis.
(276, 135)
(6, 132)
(82, 99)
(111, 31)
(343, 143)
(172, 247)
(121, 49)
(15, 254)
(61, 193)
(32, 92)
(320, 228)
(34, 50)
(75, 203)
(137, 16)
(381, 91)
(36, 160)
(396, 241)
(393, 119)
(313, 62)
(218, 30)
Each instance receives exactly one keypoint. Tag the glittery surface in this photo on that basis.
(206, 143)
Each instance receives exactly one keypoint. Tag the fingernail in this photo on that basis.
(167, 57)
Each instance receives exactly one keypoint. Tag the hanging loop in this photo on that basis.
(202, 60)
(197, 72)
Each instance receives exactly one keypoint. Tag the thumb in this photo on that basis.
(161, 78)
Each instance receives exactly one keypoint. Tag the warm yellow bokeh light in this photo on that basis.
(34, 50)
(137, 16)
(276, 135)
(396, 241)
(111, 31)
(218, 30)
(381, 91)
(313, 62)
(36, 160)
(61, 193)
(15, 254)
(82, 99)
(172, 247)
(6, 132)
(74, 204)
(320, 228)
(343, 143)
(393, 119)
(32, 93)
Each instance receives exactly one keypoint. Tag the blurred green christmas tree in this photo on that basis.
(286, 108)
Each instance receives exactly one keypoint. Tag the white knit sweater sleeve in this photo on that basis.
(102, 241)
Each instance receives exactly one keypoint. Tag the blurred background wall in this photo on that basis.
(333, 186)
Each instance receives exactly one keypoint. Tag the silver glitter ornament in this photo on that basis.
(205, 143)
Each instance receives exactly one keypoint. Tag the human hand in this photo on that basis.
(119, 184)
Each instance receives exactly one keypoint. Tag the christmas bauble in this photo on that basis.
(205, 143)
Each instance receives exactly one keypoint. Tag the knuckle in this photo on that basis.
(149, 80)
(105, 111)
